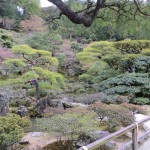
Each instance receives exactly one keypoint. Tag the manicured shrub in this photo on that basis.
(69, 126)
(116, 116)
(11, 129)
(114, 99)
(132, 46)
(141, 101)
(6, 38)
(134, 108)
(91, 98)
(44, 41)
(136, 83)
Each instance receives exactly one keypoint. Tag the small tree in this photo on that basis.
(30, 66)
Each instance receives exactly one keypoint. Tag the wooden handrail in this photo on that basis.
(133, 127)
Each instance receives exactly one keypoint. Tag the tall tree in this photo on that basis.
(93, 9)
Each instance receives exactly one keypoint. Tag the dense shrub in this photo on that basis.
(91, 98)
(94, 52)
(114, 99)
(45, 41)
(136, 83)
(141, 101)
(132, 46)
(20, 102)
(69, 126)
(76, 47)
(134, 108)
(146, 52)
(6, 38)
(116, 115)
(11, 129)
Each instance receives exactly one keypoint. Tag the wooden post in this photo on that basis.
(134, 139)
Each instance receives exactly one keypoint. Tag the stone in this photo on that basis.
(36, 134)
(22, 111)
(24, 141)
(111, 144)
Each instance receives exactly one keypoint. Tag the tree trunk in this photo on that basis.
(37, 91)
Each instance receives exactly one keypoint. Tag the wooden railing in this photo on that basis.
(133, 127)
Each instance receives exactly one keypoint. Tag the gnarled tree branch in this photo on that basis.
(88, 15)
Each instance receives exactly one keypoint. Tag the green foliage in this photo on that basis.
(10, 8)
(136, 83)
(29, 76)
(20, 102)
(134, 108)
(76, 47)
(11, 129)
(32, 64)
(70, 126)
(114, 99)
(6, 39)
(141, 101)
(85, 77)
(45, 41)
(22, 49)
(14, 65)
(117, 68)
(146, 52)
(30, 6)
(132, 46)
(116, 115)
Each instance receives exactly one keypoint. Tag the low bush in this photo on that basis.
(91, 98)
(115, 99)
(116, 116)
(141, 101)
(134, 108)
(20, 102)
(11, 129)
(69, 126)
(76, 47)
(132, 46)
(6, 38)
(45, 41)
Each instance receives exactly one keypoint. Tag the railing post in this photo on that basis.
(134, 139)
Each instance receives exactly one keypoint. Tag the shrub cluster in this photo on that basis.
(11, 129)
(116, 116)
